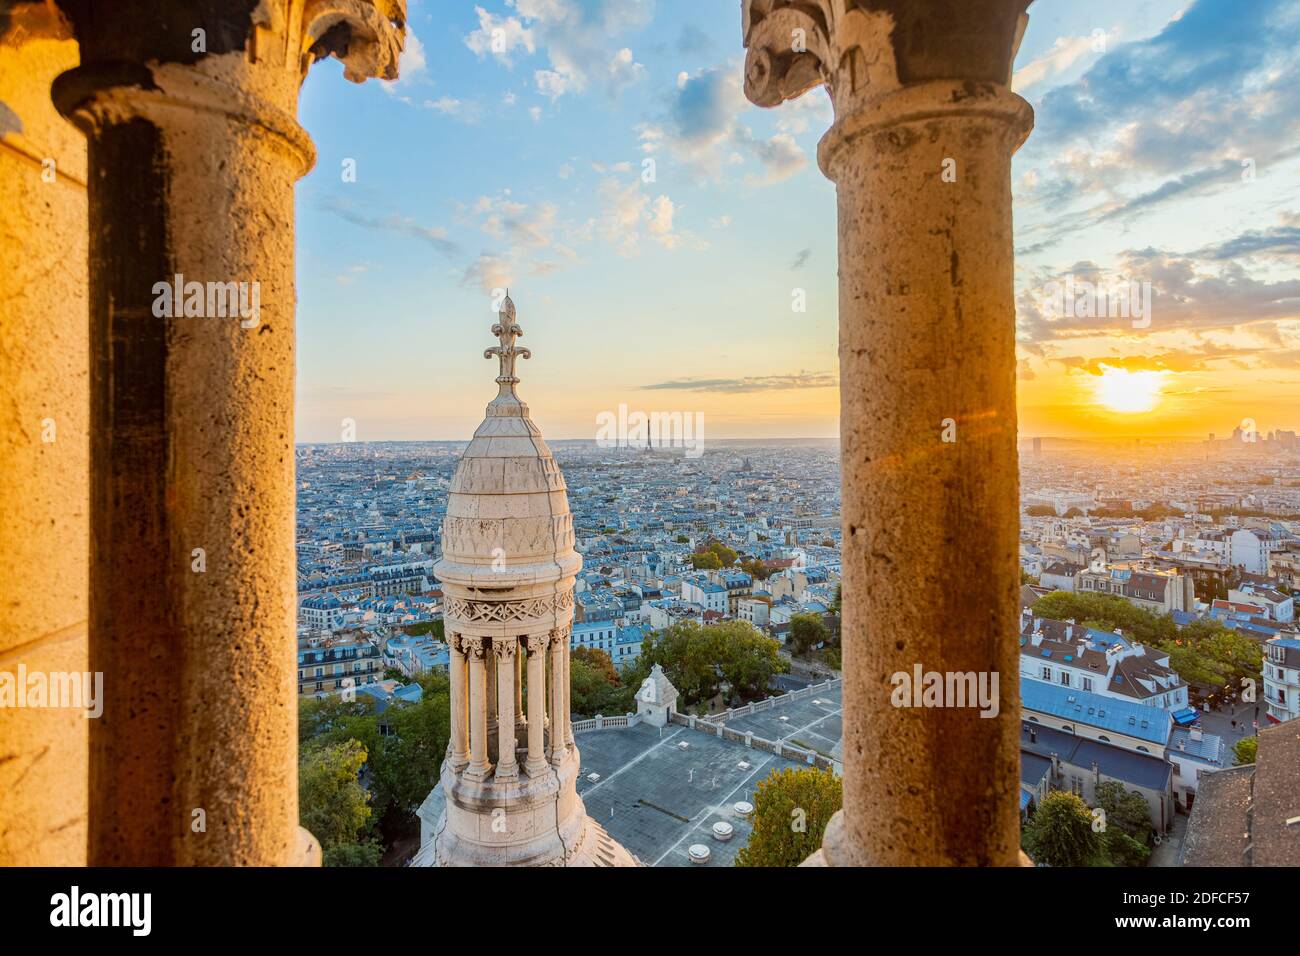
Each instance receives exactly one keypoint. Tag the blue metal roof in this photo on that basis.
(1095, 710)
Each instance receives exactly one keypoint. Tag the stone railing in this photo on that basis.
(715, 724)
(600, 722)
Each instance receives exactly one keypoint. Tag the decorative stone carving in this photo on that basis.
(471, 611)
(863, 49)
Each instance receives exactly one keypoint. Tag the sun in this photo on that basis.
(1120, 390)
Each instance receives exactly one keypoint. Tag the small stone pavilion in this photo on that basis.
(508, 567)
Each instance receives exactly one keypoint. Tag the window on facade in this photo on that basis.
(1065, 678)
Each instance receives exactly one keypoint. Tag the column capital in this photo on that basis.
(149, 58)
(473, 647)
(864, 50)
(504, 647)
(537, 642)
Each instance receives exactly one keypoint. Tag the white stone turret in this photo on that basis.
(507, 573)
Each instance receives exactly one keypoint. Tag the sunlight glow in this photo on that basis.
(1120, 390)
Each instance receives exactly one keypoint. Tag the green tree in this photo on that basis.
(806, 631)
(705, 561)
(1061, 832)
(1244, 751)
(354, 854)
(698, 659)
(595, 687)
(791, 810)
(332, 804)
(1127, 830)
(599, 660)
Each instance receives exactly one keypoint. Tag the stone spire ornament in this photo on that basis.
(507, 331)
(509, 782)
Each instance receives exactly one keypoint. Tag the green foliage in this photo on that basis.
(595, 687)
(705, 561)
(403, 765)
(725, 556)
(837, 605)
(682, 539)
(332, 804)
(354, 854)
(598, 660)
(1127, 834)
(806, 631)
(756, 569)
(791, 810)
(1203, 652)
(699, 659)
(1061, 832)
(435, 629)
(1244, 751)
(1040, 511)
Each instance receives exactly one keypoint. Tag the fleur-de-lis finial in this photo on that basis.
(507, 331)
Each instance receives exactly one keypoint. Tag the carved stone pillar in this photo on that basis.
(559, 681)
(920, 152)
(492, 700)
(189, 110)
(568, 687)
(476, 654)
(520, 720)
(536, 763)
(459, 704)
(504, 651)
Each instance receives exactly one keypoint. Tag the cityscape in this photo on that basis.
(743, 439)
(1210, 550)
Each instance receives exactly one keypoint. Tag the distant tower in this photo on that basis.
(510, 777)
(1038, 446)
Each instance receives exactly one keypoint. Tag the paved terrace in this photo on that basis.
(657, 798)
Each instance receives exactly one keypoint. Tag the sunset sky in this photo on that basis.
(1166, 150)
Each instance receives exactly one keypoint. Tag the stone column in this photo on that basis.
(559, 680)
(536, 763)
(504, 650)
(492, 700)
(476, 653)
(459, 704)
(568, 687)
(44, 446)
(189, 110)
(920, 152)
(519, 689)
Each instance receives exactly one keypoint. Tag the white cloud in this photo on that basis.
(499, 37)
(577, 37)
(1065, 51)
(702, 129)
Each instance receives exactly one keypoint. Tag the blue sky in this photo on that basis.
(523, 165)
